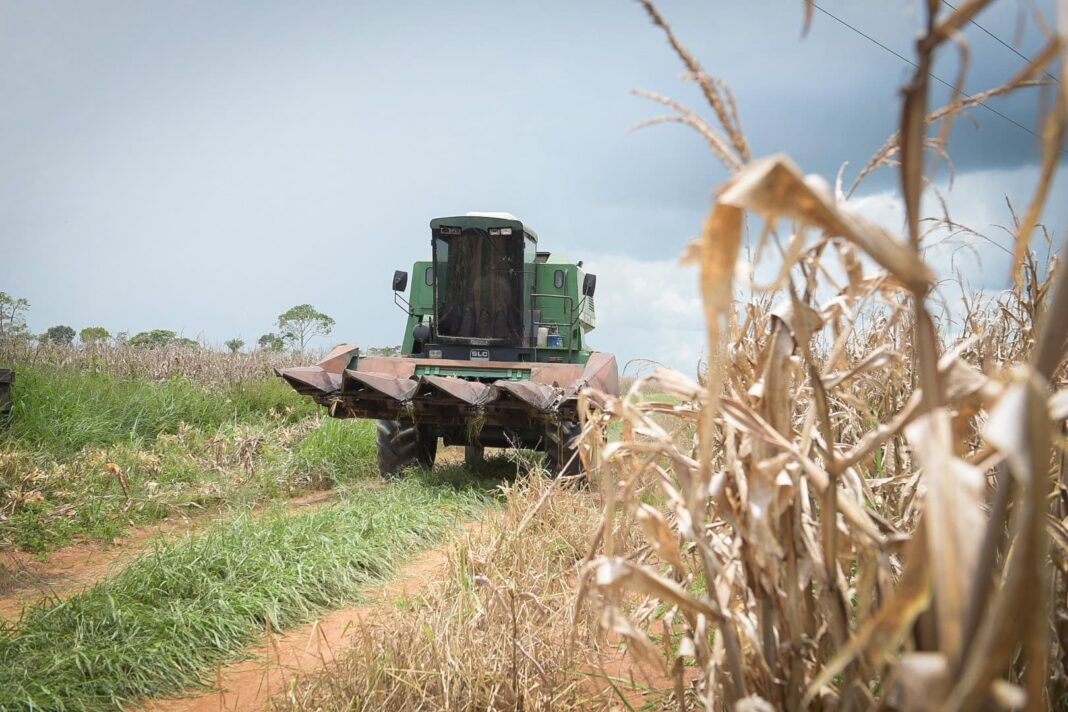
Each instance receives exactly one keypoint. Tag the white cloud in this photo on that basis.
(652, 308)
(648, 309)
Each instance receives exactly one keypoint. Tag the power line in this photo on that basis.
(932, 75)
(1003, 43)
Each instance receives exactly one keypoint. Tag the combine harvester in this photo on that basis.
(494, 352)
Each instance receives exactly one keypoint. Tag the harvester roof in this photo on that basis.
(483, 221)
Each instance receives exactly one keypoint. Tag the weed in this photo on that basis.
(157, 626)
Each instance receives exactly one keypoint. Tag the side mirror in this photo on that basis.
(400, 281)
(589, 285)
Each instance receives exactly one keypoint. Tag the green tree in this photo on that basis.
(183, 341)
(302, 323)
(93, 334)
(12, 315)
(271, 342)
(60, 334)
(235, 345)
(154, 339)
(384, 351)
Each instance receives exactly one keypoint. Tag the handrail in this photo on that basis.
(571, 318)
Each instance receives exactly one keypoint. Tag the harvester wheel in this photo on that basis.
(402, 445)
(561, 455)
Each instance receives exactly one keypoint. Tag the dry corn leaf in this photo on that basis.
(885, 631)
(660, 535)
(775, 188)
(953, 508)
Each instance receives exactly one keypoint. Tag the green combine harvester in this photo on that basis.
(494, 352)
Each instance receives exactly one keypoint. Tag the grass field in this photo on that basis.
(90, 453)
(168, 617)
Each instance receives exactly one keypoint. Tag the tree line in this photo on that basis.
(296, 327)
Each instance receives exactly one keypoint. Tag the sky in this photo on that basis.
(202, 166)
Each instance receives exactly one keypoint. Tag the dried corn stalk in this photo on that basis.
(834, 513)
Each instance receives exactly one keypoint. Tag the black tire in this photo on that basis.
(474, 455)
(561, 455)
(402, 445)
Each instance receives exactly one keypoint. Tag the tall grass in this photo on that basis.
(90, 452)
(61, 411)
(162, 623)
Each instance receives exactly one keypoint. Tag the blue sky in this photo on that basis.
(203, 166)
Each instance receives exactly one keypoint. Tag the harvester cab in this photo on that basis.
(494, 351)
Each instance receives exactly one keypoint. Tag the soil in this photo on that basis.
(71, 569)
(278, 658)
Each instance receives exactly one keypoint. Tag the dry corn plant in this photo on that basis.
(844, 512)
(199, 365)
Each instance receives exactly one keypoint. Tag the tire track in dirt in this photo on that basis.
(71, 569)
(277, 659)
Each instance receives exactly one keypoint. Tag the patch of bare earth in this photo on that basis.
(278, 659)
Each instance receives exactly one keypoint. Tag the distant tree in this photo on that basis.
(302, 323)
(235, 345)
(63, 335)
(93, 334)
(271, 342)
(154, 339)
(122, 337)
(183, 341)
(384, 351)
(12, 315)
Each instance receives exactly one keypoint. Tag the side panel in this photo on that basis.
(421, 298)
(559, 282)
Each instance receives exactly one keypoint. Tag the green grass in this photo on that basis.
(60, 412)
(162, 623)
(180, 448)
(339, 450)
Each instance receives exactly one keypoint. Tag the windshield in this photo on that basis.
(479, 285)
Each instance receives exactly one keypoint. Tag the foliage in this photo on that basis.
(59, 335)
(493, 631)
(339, 450)
(93, 335)
(202, 366)
(89, 453)
(12, 315)
(384, 351)
(164, 622)
(878, 515)
(154, 339)
(302, 323)
(235, 345)
(63, 411)
(271, 342)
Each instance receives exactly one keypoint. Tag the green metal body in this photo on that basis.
(551, 295)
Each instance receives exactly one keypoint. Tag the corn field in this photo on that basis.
(854, 505)
(199, 365)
